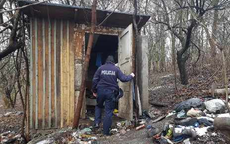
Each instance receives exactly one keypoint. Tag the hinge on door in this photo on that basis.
(124, 34)
(124, 62)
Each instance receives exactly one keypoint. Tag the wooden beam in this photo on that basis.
(85, 68)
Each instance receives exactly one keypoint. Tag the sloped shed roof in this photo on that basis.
(81, 15)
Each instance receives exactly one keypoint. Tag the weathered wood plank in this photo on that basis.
(40, 73)
(125, 63)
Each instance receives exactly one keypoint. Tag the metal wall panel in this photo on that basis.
(52, 94)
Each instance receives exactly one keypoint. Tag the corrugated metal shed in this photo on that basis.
(57, 39)
(81, 15)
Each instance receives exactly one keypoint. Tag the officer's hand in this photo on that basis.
(132, 74)
(95, 94)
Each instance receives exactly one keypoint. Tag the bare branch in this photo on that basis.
(110, 13)
(18, 8)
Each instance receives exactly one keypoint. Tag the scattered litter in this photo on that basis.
(119, 124)
(115, 111)
(8, 114)
(114, 130)
(19, 113)
(205, 122)
(122, 132)
(194, 112)
(158, 119)
(187, 121)
(184, 131)
(214, 134)
(223, 115)
(85, 131)
(186, 141)
(207, 118)
(215, 105)
(91, 118)
(151, 131)
(181, 114)
(171, 114)
(140, 127)
(201, 131)
(142, 121)
(188, 104)
(48, 141)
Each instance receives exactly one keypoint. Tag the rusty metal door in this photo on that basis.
(125, 64)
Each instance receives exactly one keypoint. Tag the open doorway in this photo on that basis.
(103, 46)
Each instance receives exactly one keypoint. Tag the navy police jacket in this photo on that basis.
(106, 77)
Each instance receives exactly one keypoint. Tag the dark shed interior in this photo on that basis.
(103, 46)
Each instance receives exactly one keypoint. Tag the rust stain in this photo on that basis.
(78, 36)
(98, 30)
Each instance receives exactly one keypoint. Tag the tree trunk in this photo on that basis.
(214, 31)
(182, 69)
(78, 104)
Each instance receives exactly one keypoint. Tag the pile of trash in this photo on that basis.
(11, 137)
(192, 119)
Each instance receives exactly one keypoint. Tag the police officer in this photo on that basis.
(104, 88)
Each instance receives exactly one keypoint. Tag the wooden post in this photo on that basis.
(135, 64)
(225, 78)
(78, 104)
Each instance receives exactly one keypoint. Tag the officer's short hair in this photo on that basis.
(110, 59)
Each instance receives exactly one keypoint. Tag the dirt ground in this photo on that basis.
(13, 121)
(161, 89)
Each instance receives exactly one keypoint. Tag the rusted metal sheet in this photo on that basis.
(49, 39)
(98, 30)
(55, 71)
(36, 73)
(44, 73)
(31, 73)
(61, 77)
(67, 12)
(40, 72)
(71, 73)
(52, 68)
